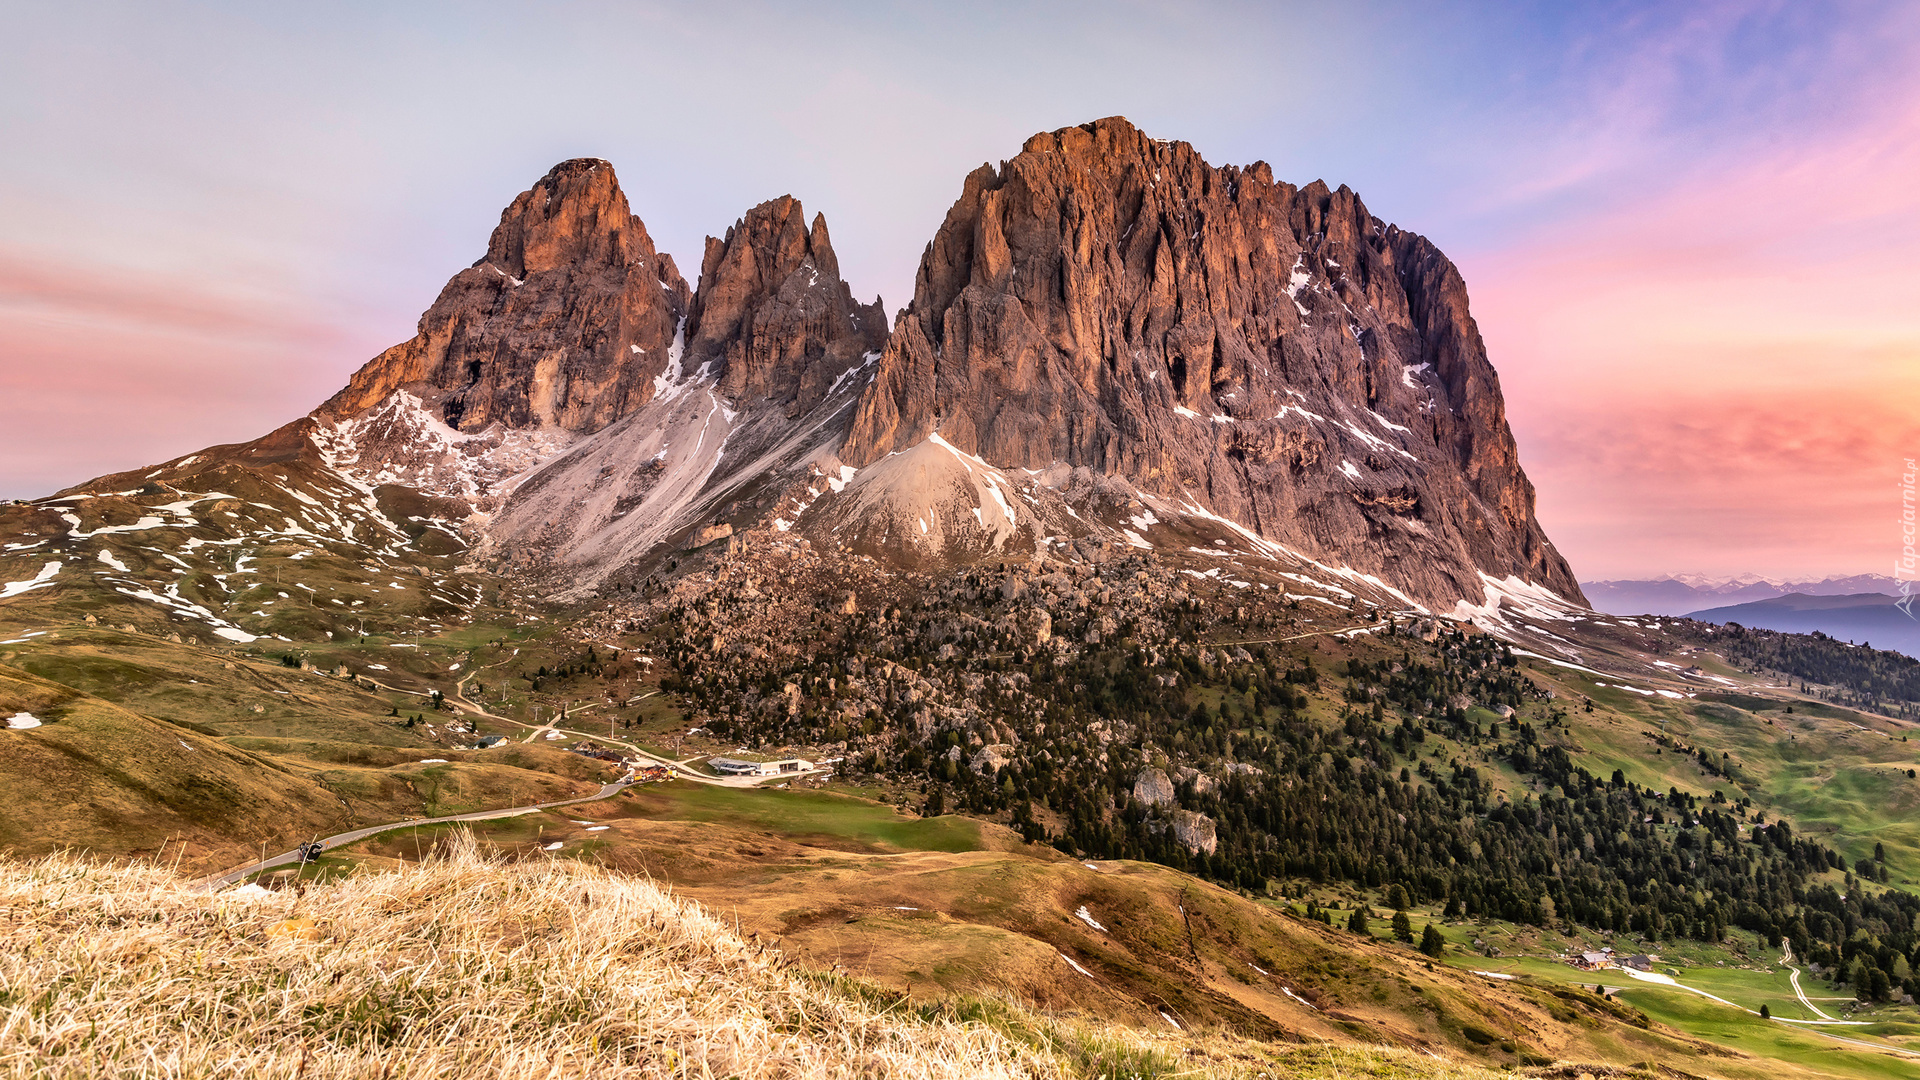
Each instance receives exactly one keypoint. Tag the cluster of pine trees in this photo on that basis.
(1868, 940)
(1859, 676)
(1361, 774)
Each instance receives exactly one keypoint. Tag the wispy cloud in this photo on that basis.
(106, 369)
(35, 289)
(1719, 372)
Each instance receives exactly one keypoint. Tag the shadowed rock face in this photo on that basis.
(1271, 354)
(773, 316)
(740, 411)
(562, 324)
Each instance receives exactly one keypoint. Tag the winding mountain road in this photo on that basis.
(1786, 961)
(220, 881)
(1812, 1027)
(1794, 978)
(681, 769)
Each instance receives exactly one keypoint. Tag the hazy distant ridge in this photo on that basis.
(1862, 618)
(1681, 595)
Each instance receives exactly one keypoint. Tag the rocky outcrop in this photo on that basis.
(1202, 783)
(989, 760)
(563, 324)
(1197, 832)
(772, 316)
(1153, 788)
(1265, 353)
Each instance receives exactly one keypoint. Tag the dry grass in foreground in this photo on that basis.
(468, 968)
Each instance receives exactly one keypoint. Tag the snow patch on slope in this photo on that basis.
(42, 580)
(1298, 279)
(400, 441)
(1514, 596)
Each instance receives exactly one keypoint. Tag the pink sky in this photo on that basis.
(1726, 373)
(1691, 232)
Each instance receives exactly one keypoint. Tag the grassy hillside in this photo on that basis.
(214, 751)
(96, 776)
(463, 967)
(1834, 772)
(943, 909)
(1327, 759)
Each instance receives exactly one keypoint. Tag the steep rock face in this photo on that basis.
(773, 316)
(1269, 354)
(763, 390)
(563, 324)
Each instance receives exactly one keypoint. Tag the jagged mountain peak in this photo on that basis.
(1272, 355)
(758, 391)
(576, 216)
(562, 325)
(772, 314)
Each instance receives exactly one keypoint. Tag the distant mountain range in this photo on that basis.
(1862, 608)
(1862, 618)
(1682, 594)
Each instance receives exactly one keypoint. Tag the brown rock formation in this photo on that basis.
(746, 409)
(562, 324)
(1104, 318)
(1274, 355)
(773, 316)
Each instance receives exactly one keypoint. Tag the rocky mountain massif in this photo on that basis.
(1112, 344)
(1227, 345)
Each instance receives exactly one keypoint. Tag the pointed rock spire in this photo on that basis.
(561, 324)
(772, 316)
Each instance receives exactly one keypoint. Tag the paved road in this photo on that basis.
(1811, 1027)
(1802, 995)
(220, 881)
(682, 769)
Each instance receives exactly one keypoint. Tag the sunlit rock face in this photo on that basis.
(1269, 354)
(563, 323)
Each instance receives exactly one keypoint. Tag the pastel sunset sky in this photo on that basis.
(1690, 231)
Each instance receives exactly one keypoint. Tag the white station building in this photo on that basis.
(736, 767)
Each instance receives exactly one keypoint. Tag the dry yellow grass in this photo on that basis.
(462, 968)
(465, 967)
